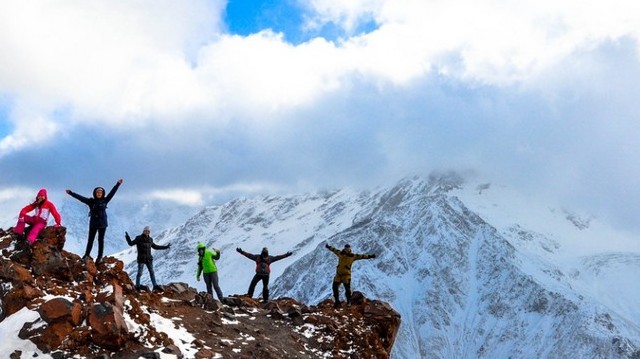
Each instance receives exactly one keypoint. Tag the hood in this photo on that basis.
(42, 192)
(96, 190)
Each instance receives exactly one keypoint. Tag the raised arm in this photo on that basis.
(113, 190)
(129, 241)
(335, 250)
(253, 257)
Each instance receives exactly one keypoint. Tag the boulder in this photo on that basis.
(13, 272)
(18, 297)
(108, 328)
(61, 310)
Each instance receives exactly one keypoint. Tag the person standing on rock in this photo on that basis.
(42, 208)
(97, 216)
(343, 271)
(207, 266)
(263, 262)
(144, 243)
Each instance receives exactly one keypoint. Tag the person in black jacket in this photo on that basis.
(144, 243)
(97, 216)
(263, 262)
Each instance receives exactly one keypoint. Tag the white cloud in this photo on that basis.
(151, 89)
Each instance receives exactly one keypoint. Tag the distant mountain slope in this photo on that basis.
(468, 278)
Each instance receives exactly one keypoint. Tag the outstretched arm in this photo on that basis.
(80, 198)
(248, 255)
(158, 246)
(335, 250)
(365, 256)
(113, 190)
(282, 256)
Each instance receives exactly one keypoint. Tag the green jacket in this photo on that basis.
(206, 262)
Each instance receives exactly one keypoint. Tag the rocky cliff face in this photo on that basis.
(61, 306)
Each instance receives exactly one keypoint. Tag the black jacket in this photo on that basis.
(144, 244)
(97, 206)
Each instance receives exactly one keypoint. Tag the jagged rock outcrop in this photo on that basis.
(86, 311)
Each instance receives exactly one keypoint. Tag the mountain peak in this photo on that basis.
(56, 303)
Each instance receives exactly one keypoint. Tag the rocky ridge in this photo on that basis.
(77, 309)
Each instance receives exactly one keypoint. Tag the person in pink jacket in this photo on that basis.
(43, 208)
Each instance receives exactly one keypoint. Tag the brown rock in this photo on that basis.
(54, 334)
(18, 297)
(47, 260)
(61, 310)
(13, 272)
(113, 295)
(108, 328)
(54, 237)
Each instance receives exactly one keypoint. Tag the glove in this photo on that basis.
(126, 235)
(169, 245)
(68, 191)
(198, 278)
(327, 246)
(289, 254)
(238, 250)
(372, 256)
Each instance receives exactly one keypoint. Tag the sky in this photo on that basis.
(198, 101)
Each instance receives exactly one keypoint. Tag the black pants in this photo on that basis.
(211, 280)
(265, 286)
(347, 291)
(92, 236)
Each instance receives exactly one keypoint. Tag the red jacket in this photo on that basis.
(43, 209)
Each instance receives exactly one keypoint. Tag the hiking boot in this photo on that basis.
(157, 288)
(336, 304)
(98, 260)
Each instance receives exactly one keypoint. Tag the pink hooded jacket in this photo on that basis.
(43, 209)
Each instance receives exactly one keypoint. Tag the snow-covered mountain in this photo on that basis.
(475, 271)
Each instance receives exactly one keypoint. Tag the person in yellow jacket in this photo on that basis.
(207, 265)
(343, 271)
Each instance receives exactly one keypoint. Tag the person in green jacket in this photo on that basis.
(207, 265)
(343, 271)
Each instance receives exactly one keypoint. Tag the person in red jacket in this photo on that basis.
(42, 208)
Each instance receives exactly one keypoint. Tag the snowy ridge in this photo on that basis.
(469, 278)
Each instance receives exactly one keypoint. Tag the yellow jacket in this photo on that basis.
(345, 260)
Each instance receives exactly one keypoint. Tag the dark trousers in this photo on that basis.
(92, 236)
(347, 291)
(151, 273)
(265, 286)
(211, 280)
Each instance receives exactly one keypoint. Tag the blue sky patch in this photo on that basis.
(5, 126)
(245, 17)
